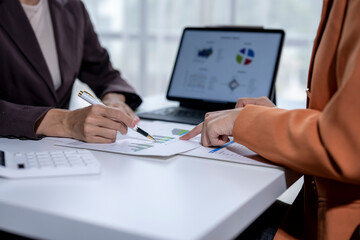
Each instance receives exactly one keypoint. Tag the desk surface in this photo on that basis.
(138, 198)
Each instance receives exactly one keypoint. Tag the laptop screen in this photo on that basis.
(221, 65)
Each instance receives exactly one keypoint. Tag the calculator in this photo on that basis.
(48, 163)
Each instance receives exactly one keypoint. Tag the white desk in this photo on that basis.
(138, 198)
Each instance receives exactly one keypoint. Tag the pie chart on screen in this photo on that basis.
(245, 56)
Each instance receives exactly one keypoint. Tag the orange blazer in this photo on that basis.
(323, 141)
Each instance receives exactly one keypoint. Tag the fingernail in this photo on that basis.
(133, 123)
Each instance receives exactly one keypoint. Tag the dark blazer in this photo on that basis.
(26, 88)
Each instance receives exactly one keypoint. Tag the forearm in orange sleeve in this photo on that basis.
(292, 138)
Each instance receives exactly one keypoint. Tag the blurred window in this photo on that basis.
(142, 36)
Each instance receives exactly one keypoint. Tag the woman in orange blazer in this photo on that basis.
(321, 142)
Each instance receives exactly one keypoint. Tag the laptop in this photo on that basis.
(216, 66)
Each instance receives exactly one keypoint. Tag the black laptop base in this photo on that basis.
(189, 115)
(175, 114)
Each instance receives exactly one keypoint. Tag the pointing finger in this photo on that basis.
(194, 132)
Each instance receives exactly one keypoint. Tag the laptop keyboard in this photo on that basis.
(175, 114)
(181, 112)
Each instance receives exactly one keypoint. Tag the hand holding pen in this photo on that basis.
(92, 100)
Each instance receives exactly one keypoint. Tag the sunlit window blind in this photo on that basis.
(142, 36)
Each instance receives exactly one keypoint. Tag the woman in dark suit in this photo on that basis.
(44, 46)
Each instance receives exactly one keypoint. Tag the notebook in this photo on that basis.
(216, 66)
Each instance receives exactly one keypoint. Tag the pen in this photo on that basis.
(92, 100)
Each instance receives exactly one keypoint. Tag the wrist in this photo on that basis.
(109, 97)
(53, 124)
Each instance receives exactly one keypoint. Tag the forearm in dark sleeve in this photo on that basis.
(19, 120)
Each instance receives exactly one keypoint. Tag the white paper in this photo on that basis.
(133, 143)
(168, 144)
(232, 152)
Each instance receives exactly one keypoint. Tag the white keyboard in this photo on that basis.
(48, 163)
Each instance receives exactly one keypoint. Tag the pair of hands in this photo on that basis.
(95, 123)
(99, 123)
(218, 126)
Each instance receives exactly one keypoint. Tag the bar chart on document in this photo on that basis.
(166, 142)
(231, 152)
(142, 146)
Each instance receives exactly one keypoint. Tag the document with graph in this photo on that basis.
(230, 152)
(167, 141)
